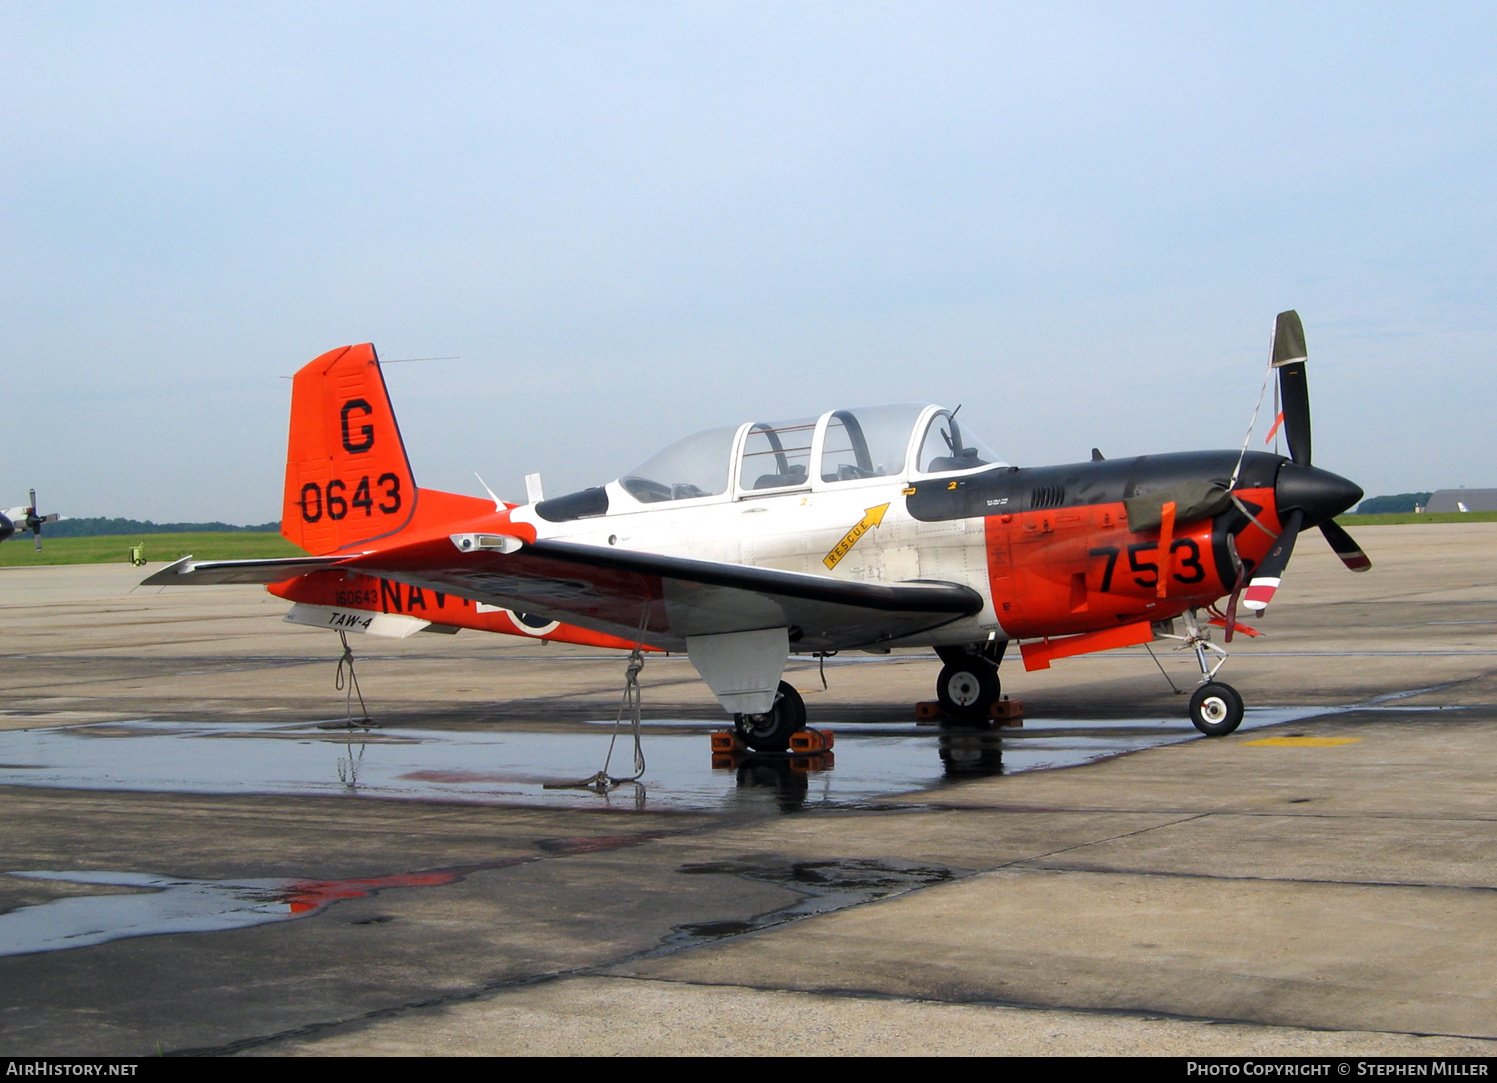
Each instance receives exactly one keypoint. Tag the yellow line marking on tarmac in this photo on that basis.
(1304, 742)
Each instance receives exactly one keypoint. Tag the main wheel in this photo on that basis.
(770, 732)
(1216, 709)
(967, 688)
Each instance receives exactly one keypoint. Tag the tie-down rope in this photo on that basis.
(350, 683)
(602, 782)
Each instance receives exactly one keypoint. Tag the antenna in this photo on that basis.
(498, 504)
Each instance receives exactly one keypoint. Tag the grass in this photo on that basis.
(1398, 517)
(19, 551)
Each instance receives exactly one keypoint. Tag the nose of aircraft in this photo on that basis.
(1320, 494)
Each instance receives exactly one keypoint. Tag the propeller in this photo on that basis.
(34, 521)
(1267, 575)
(1289, 356)
(1348, 550)
(1304, 491)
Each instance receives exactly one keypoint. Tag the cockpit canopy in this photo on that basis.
(904, 439)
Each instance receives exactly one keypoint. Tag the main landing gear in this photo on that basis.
(968, 685)
(1215, 707)
(771, 731)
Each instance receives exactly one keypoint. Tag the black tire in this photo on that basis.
(967, 689)
(771, 732)
(1216, 709)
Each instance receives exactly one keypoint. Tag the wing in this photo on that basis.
(198, 573)
(661, 599)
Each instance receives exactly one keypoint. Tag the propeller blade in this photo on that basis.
(34, 522)
(1348, 550)
(1266, 576)
(1289, 355)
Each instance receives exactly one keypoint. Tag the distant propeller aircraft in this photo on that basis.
(13, 520)
(861, 529)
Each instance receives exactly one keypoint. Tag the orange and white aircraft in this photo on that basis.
(861, 529)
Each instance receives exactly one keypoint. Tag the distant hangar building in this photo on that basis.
(1462, 500)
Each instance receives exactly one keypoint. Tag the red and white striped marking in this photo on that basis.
(1259, 593)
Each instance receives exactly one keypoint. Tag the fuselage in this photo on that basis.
(1049, 549)
(901, 497)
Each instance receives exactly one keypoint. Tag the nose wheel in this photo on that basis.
(1216, 709)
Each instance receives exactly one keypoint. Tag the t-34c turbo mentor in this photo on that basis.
(866, 528)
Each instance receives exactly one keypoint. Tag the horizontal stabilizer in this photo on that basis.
(201, 573)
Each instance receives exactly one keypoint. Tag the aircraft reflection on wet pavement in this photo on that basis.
(171, 904)
(153, 903)
(872, 761)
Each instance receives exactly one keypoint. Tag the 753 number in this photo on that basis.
(334, 502)
(1147, 571)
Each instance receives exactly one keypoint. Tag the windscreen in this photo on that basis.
(949, 446)
(694, 466)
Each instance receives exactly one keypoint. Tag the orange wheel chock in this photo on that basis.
(811, 741)
(727, 741)
(1006, 709)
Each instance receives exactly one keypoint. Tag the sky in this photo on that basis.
(630, 221)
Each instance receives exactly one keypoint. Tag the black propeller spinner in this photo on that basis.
(1305, 495)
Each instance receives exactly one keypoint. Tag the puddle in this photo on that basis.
(509, 767)
(174, 904)
(824, 886)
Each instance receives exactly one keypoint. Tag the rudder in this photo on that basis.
(348, 480)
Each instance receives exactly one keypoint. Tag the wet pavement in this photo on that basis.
(167, 904)
(868, 762)
(190, 863)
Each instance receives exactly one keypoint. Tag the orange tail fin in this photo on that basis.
(348, 481)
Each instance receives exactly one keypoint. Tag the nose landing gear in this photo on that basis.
(1215, 707)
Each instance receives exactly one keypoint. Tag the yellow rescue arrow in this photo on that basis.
(871, 518)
